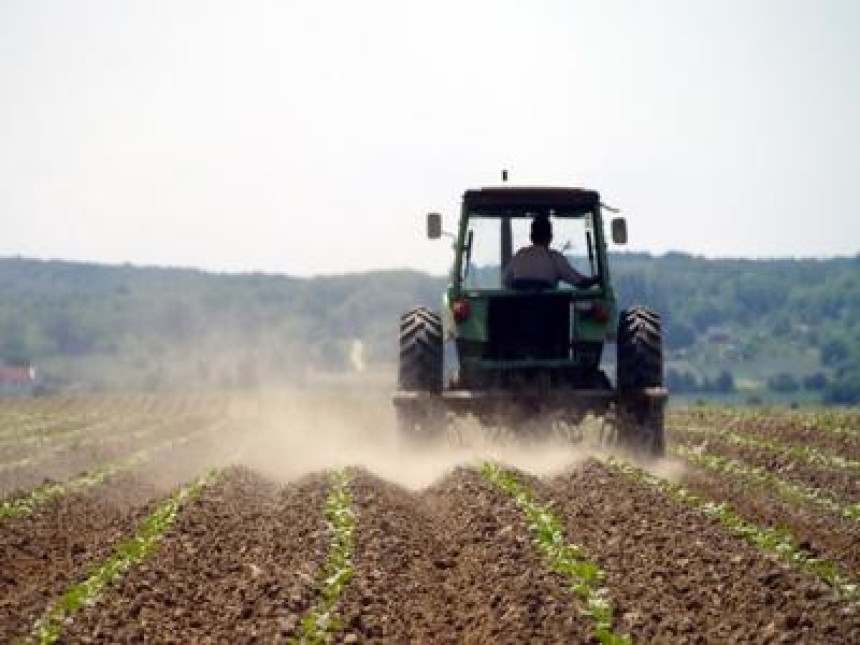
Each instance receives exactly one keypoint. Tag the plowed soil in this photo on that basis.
(239, 566)
(113, 441)
(678, 576)
(46, 552)
(843, 484)
(798, 428)
(63, 539)
(452, 564)
(451, 561)
(822, 533)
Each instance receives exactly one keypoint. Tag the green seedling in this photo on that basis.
(320, 625)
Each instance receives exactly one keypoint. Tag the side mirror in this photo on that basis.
(434, 226)
(619, 230)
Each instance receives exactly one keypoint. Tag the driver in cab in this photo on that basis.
(539, 267)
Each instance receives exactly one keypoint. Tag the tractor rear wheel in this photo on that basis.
(420, 371)
(640, 366)
(640, 349)
(420, 351)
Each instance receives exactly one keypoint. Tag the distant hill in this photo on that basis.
(782, 322)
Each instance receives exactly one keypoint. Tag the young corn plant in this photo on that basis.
(774, 540)
(127, 554)
(320, 624)
(568, 560)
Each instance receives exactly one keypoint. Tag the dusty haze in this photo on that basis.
(290, 433)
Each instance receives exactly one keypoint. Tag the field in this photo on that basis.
(298, 517)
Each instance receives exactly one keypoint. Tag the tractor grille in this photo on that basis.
(529, 327)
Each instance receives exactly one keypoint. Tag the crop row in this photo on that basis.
(803, 453)
(90, 439)
(85, 430)
(28, 502)
(763, 478)
(565, 559)
(15, 425)
(778, 541)
(42, 413)
(319, 624)
(54, 431)
(45, 416)
(583, 575)
(837, 423)
(127, 553)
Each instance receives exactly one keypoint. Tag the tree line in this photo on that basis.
(140, 327)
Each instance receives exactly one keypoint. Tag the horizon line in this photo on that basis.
(390, 269)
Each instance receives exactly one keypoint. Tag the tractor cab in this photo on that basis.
(527, 350)
(507, 331)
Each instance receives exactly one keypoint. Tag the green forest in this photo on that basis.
(755, 329)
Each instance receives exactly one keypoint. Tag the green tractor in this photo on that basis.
(510, 354)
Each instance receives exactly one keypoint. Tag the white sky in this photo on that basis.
(311, 137)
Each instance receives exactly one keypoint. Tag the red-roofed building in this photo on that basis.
(17, 379)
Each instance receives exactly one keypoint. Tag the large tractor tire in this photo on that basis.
(420, 372)
(420, 351)
(640, 366)
(640, 349)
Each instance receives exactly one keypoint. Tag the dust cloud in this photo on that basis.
(287, 434)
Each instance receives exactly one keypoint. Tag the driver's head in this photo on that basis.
(541, 230)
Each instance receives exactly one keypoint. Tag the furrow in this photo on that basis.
(453, 563)
(27, 503)
(127, 554)
(803, 453)
(584, 576)
(760, 477)
(239, 565)
(826, 430)
(778, 541)
(785, 463)
(677, 575)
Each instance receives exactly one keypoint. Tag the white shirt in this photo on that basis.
(537, 262)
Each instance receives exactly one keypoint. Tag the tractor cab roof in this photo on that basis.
(513, 201)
